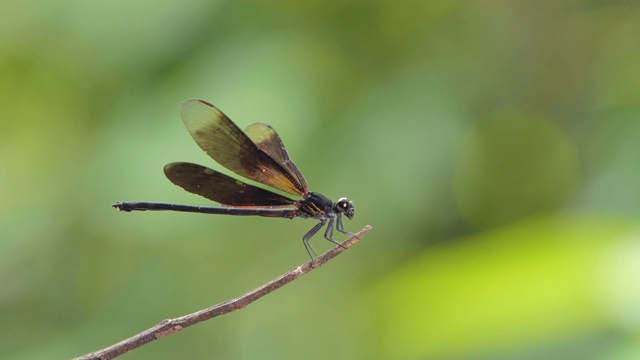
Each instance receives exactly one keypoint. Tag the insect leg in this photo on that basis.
(307, 236)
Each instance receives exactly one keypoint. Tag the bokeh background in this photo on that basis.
(493, 146)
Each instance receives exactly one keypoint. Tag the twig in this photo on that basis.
(172, 326)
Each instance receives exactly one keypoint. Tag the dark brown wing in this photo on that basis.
(268, 140)
(221, 188)
(221, 139)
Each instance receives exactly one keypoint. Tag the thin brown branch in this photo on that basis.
(172, 326)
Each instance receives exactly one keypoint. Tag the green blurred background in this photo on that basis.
(493, 146)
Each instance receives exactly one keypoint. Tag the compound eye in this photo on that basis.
(343, 204)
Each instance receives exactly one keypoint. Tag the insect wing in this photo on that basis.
(221, 188)
(227, 144)
(268, 140)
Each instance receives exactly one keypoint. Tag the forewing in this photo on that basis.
(221, 139)
(268, 140)
(221, 188)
